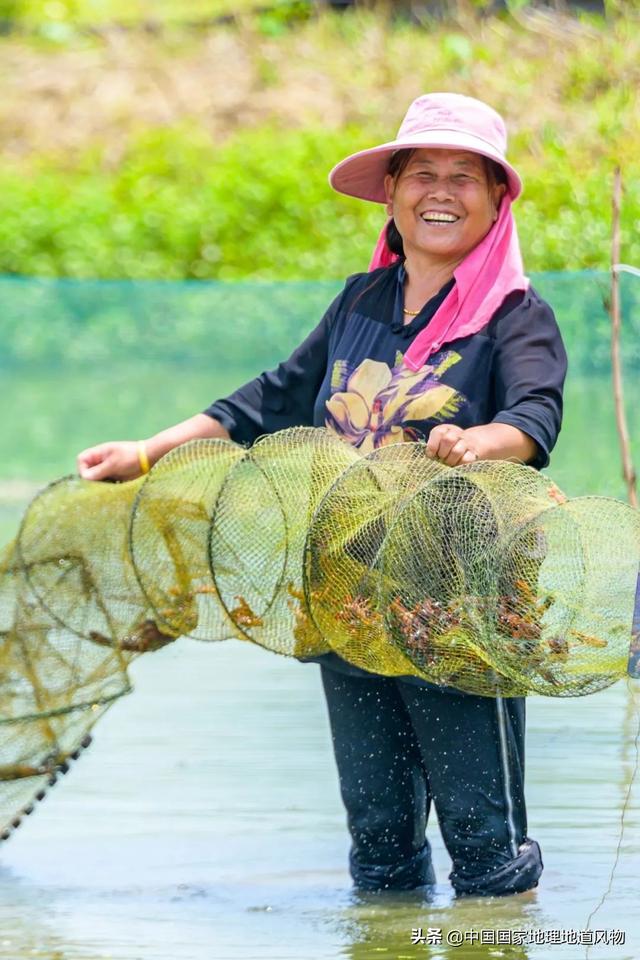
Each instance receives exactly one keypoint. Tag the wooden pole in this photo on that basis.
(628, 470)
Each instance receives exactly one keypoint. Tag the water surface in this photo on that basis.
(204, 823)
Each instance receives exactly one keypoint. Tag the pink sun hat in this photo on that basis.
(446, 120)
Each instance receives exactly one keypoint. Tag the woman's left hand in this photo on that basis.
(451, 445)
(492, 441)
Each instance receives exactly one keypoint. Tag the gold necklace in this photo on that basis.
(410, 313)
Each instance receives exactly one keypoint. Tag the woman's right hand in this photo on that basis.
(120, 459)
(116, 460)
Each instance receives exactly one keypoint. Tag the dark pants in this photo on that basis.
(399, 746)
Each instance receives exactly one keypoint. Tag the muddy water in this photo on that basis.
(204, 823)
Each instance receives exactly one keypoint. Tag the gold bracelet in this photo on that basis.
(143, 459)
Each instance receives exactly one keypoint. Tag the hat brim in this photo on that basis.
(362, 174)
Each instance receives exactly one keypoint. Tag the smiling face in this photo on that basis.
(443, 203)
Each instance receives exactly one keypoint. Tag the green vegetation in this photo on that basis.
(79, 12)
(61, 20)
(205, 155)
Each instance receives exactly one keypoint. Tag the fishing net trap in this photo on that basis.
(484, 577)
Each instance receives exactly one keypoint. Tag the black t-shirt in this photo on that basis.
(348, 376)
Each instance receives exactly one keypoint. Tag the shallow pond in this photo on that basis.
(204, 823)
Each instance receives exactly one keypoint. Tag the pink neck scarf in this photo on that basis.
(485, 277)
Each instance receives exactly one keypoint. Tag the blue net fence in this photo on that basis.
(52, 321)
(86, 361)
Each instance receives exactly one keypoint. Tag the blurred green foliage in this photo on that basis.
(95, 12)
(178, 206)
(247, 196)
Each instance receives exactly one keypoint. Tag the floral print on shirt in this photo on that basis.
(373, 403)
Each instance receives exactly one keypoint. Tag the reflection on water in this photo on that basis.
(205, 822)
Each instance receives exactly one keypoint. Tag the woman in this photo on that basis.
(443, 340)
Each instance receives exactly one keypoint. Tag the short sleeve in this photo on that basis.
(529, 372)
(283, 397)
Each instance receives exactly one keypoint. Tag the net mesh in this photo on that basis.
(485, 577)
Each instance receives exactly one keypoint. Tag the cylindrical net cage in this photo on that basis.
(484, 578)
